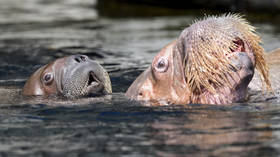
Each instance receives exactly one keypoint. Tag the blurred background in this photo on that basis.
(176, 7)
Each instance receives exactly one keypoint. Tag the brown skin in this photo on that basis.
(35, 85)
(164, 83)
(71, 76)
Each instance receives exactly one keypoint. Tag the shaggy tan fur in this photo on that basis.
(206, 44)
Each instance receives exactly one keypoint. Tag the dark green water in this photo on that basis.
(33, 33)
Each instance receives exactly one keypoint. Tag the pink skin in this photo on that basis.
(164, 81)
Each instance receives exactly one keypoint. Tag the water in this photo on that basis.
(33, 33)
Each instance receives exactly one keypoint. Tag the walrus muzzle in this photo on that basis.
(70, 77)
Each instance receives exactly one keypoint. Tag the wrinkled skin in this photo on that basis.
(164, 81)
(70, 77)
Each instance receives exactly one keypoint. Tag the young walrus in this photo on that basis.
(212, 62)
(71, 77)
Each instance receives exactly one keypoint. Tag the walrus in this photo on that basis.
(212, 62)
(71, 77)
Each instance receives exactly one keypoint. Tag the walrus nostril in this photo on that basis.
(80, 58)
(83, 58)
(77, 60)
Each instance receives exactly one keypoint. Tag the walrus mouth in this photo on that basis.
(93, 81)
(94, 86)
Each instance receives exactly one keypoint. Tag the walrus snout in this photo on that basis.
(241, 61)
(243, 67)
(80, 58)
(85, 77)
(71, 76)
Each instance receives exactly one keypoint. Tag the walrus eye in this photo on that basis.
(161, 65)
(48, 77)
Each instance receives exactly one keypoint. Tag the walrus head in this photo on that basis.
(211, 62)
(71, 76)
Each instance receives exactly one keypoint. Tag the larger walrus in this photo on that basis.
(212, 62)
(70, 77)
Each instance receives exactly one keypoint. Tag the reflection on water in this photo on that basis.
(33, 33)
(118, 128)
(28, 11)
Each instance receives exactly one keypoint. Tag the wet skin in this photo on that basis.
(164, 81)
(70, 77)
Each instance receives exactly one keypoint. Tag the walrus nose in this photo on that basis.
(81, 58)
(240, 60)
